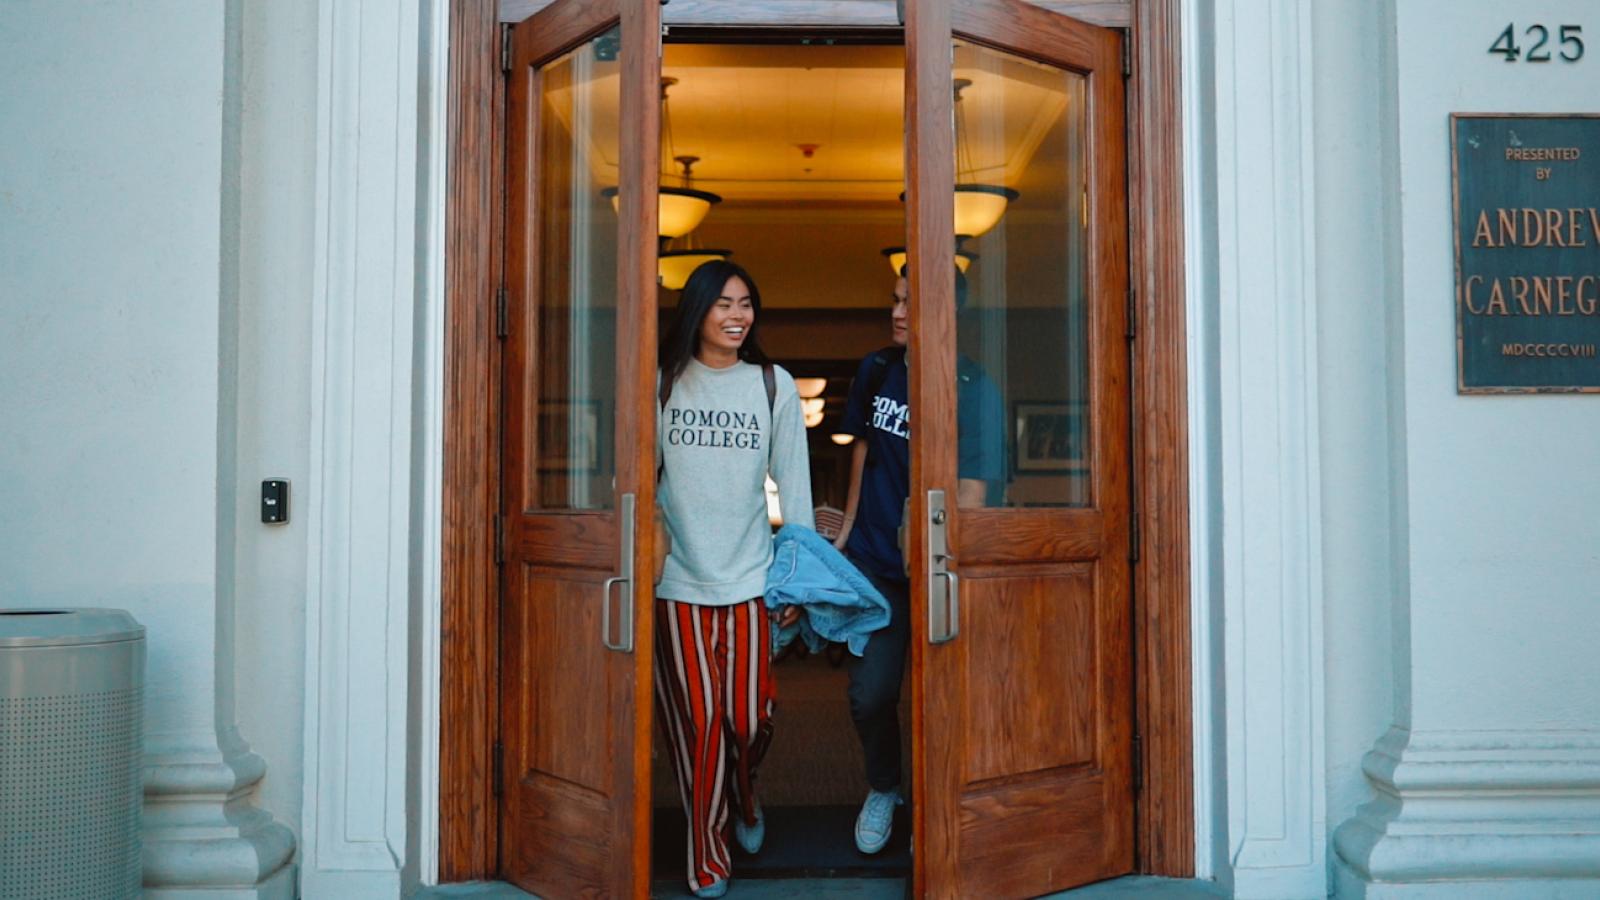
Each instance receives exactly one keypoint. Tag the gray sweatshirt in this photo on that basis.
(716, 443)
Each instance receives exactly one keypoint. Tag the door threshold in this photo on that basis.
(786, 888)
(1132, 887)
(1144, 887)
(804, 844)
(473, 890)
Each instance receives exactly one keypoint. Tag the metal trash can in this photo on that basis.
(71, 753)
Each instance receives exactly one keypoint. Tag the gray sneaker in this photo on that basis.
(713, 890)
(876, 820)
(751, 837)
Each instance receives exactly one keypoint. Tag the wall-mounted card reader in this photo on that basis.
(274, 501)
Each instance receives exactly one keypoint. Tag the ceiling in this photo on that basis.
(746, 111)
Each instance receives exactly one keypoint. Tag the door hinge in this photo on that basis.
(1127, 53)
(498, 776)
(1138, 764)
(1133, 313)
(1133, 536)
(499, 540)
(502, 325)
(505, 48)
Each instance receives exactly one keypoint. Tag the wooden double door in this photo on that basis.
(1021, 664)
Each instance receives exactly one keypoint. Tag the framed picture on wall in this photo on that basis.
(1052, 437)
(569, 437)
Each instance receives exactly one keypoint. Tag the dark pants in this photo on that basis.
(875, 687)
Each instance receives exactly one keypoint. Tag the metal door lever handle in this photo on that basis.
(625, 523)
(605, 611)
(953, 606)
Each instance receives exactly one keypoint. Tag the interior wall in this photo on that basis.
(812, 258)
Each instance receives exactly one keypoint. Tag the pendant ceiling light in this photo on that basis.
(978, 206)
(897, 258)
(681, 209)
(675, 266)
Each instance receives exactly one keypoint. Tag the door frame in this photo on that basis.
(468, 666)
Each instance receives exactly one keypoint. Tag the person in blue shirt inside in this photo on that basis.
(878, 414)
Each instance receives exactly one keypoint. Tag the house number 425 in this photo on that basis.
(1568, 37)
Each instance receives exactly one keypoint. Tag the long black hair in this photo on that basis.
(700, 293)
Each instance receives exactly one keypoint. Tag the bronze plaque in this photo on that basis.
(1527, 226)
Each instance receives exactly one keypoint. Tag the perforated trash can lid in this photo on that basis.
(48, 627)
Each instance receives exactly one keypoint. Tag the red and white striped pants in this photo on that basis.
(714, 694)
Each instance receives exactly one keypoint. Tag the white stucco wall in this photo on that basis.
(1502, 491)
(1487, 775)
(155, 228)
(111, 249)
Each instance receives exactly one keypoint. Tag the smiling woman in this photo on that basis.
(728, 421)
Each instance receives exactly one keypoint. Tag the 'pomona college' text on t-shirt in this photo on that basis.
(716, 443)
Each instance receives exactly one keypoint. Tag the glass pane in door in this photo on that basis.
(575, 242)
(1022, 321)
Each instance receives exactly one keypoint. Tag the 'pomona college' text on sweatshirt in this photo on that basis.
(716, 442)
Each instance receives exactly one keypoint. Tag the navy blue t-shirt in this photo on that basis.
(884, 421)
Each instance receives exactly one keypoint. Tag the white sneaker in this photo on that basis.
(876, 820)
(750, 837)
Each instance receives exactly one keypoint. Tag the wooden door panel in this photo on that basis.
(561, 832)
(1023, 712)
(1043, 625)
(1005, 835)
(579, 540)
(1031, 30)
(997, 537)
(559, 603)
(578, 367)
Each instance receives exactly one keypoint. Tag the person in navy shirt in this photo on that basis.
(879, 416)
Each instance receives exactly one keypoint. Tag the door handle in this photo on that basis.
(625, 527)
(944, 605)
(953, 609)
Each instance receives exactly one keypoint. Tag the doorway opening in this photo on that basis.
(804, 144)
(476, 840)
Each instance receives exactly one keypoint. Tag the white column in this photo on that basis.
(203, 834)
(120, 166)
(1266, 562)
(371, 506)
(1488, 783)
